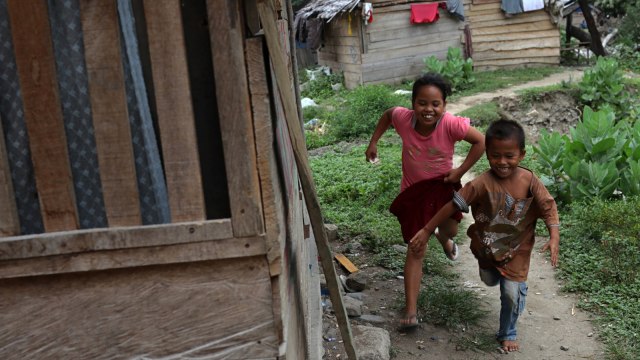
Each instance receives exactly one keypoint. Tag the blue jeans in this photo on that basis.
(512, 298)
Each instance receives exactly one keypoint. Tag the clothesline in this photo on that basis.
(402, 2)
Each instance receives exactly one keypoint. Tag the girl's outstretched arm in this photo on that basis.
(383, 124)
(476, 139)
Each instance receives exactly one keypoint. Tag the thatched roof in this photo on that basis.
(326, 9)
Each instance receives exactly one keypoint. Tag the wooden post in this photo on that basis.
(109, 111)
(267, 11)
(9, 222)
(43, 113)
(175, 112)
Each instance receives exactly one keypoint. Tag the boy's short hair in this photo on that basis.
(431, 79)
(505, 129)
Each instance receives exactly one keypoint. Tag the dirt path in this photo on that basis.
(469, 101)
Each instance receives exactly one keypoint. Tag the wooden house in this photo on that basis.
(150, 202)
(390, 48)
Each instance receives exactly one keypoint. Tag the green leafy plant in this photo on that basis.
(320, 87)
(456, 69)
(599, 159)
(603, 85)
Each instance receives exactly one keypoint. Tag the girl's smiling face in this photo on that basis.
(429, 106)
(504, 155)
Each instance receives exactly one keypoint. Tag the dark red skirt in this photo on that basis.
(418, 203)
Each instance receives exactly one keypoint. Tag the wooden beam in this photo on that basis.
(223, 249)
(267, 11)
(43, 113)
(109, 111)
(9, 221)
(175, 111)
(74, 242)
(234, 108)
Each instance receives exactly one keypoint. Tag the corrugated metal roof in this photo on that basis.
(326, 9)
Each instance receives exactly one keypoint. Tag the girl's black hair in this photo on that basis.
(505, 129)
(431, 79)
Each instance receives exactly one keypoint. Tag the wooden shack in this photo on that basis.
(150, 204)
(391, 49)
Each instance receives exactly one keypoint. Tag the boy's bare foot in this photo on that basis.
(510, 345)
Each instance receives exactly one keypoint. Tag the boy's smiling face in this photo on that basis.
(504, 156)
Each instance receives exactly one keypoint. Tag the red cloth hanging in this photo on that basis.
(424, 13)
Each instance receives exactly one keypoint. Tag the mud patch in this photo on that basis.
(555, 111)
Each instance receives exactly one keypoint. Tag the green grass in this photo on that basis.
(600, 260)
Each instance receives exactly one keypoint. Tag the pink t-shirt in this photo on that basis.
(427, 157)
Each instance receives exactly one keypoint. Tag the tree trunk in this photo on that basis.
(596, 41)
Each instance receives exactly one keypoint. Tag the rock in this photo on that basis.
(331, 334)
(590, 334)
(556, 317)
(371, 343)
(357, 281)
(356, 295)
(332, 231)
(306, 102)
(564, 348)
(343, 281)
(373, 319)
(400, 248)
(542, 347)
(353, 306)
(336, 87)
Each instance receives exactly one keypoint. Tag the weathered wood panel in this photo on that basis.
(109, 112)
(9, 222)
(71, 242)
(528, 18)
(444, 26)
(175, 112)
(213, 310)
(404, 41)
(230, 248)
(492, 64)
(520, 27)
(232, 91)
(546, 42)
(423, 50)
(43, 113)
(514, 35)
(261, 111)
(515, 54)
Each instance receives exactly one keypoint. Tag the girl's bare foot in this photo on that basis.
(408, 322)
(510, 345)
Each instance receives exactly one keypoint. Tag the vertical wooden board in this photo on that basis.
(43, 113)
(207, 310)
(109, 111)
(175, 111)
(234, 108)
(9, 222)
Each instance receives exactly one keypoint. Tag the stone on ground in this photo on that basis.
(371, 343)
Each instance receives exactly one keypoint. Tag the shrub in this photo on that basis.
(603, 85)
(456, 69)
(601, 158)
(362, 109)
(320, 88)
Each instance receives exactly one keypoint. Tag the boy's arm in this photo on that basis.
(383, 124)
(476, 139)
(420, 239)
(553, 245)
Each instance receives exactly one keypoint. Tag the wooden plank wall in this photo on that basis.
(527, 39)
(342, 50)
